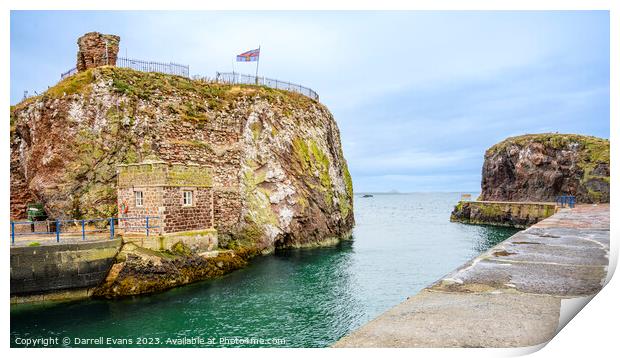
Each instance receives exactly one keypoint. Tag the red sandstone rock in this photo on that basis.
(95, 49)
(540, 167)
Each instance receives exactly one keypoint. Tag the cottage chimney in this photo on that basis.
(95, 49)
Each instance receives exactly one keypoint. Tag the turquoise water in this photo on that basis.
(294, 298)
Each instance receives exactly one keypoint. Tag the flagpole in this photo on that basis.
(257, 61)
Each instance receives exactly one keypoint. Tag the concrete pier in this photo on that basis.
(510, 296)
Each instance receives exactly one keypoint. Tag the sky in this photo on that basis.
(418, 96)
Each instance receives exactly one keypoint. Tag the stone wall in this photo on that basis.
(61, 267)
(178, 217)
(95, 49)
(152, 199)
(511, 214)
(198, 241)
(162, 186)
(160, 173)
(227, 208)
(148, 173)
(215, 144)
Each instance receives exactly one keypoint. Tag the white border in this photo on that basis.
(594, 330)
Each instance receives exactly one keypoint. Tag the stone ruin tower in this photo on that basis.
(95, 49)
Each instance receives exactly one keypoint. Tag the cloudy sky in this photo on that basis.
(418, 96)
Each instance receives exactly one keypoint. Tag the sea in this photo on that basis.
(293, 298)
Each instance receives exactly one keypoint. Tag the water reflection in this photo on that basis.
(488, 236)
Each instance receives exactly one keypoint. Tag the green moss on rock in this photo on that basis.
(259, 213)
(181, 249)
(518, 215)
(597, 148)
(314, 163)
(344, 206)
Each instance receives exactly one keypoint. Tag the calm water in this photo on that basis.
(306, 298)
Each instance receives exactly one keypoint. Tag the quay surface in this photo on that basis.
(510, 296)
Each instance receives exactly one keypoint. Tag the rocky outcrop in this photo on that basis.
(276, 158)
(539, 167)
(140, 271)
(95, 49)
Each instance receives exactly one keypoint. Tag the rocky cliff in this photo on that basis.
(276, 156)
(539, 167)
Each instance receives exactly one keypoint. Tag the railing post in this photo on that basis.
(147, 227)
(57, 230)
(83, 231)
(12, 233)
(111, 228)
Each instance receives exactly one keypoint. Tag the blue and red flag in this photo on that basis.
(249, 56)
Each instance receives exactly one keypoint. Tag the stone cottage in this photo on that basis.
(176, 198)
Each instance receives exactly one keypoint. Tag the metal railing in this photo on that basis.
(69, 73)
(143, 66)
(152, 66)
(50, 231)
(564, 200)
(238, 78)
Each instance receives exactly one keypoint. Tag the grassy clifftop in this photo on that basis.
(153, 85)
(596, 148)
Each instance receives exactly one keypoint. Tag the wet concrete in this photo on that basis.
(510, 296)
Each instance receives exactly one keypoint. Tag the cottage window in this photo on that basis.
(139, 198)
(188, 198)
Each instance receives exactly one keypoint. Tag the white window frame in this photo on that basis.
(139, 198)
(187, 202)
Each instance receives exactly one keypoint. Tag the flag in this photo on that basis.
(249, 56)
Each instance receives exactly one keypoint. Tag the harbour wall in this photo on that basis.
(38, 270)
(196, 240)
(53, 271)
(502, 213)
(511, 296)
